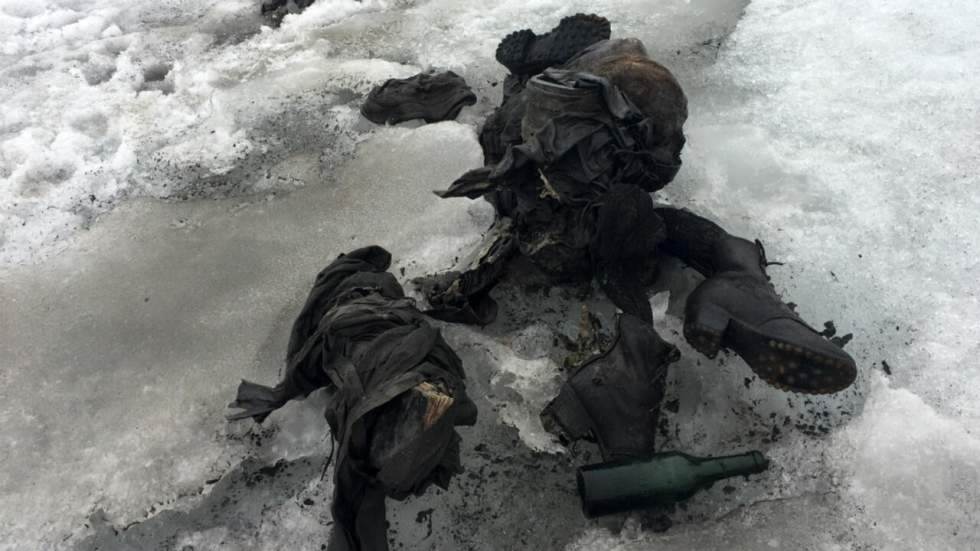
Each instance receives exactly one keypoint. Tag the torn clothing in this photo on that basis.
(462, 295)
(581, 139)
(375, 354)
(502, 128)
(583, 154)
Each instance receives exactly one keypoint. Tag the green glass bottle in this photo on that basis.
(663, 478)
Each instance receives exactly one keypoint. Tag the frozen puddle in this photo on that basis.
(841, 135)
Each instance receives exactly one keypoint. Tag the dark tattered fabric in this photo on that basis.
(432, 97)
(502, 128)
(463, 295)
(578, 189)
(358, 337)
(612, 145)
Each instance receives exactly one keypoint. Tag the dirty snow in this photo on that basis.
(174, 173)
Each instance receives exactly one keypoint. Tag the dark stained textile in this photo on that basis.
(556, 185)
(358, 337)
(432, 97)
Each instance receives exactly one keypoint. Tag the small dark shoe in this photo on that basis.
(737, 308)
(614, 398)
(525, 53)
(432, 97)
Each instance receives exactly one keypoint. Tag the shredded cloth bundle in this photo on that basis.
(572, 197)
(583, 153)
(395, 392)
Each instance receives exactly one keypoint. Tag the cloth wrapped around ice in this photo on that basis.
(395, 392)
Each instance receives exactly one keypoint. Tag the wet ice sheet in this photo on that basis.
(117, 371)
(794, 138)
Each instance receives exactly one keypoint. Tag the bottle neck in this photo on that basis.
(717, 468)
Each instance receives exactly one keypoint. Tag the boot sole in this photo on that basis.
(525, 53)
(781, 364)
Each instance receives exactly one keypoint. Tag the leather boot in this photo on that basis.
(614, 398)
(738, 309)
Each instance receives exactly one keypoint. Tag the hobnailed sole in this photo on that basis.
(525, 53)
(781, 364)
(513, 48)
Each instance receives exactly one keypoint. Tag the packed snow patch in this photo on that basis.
(914, 470)
(171, 107)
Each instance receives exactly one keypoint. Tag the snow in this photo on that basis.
(841, 135)
(188, 101)
(174, 173)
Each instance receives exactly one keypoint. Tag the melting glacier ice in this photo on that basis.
(174, 173)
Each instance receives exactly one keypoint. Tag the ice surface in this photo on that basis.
(170, 99)
(117, 372)
(843, 135)
(840, 134)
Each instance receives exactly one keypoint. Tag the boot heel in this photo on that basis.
(704, 328)
(566, 415)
